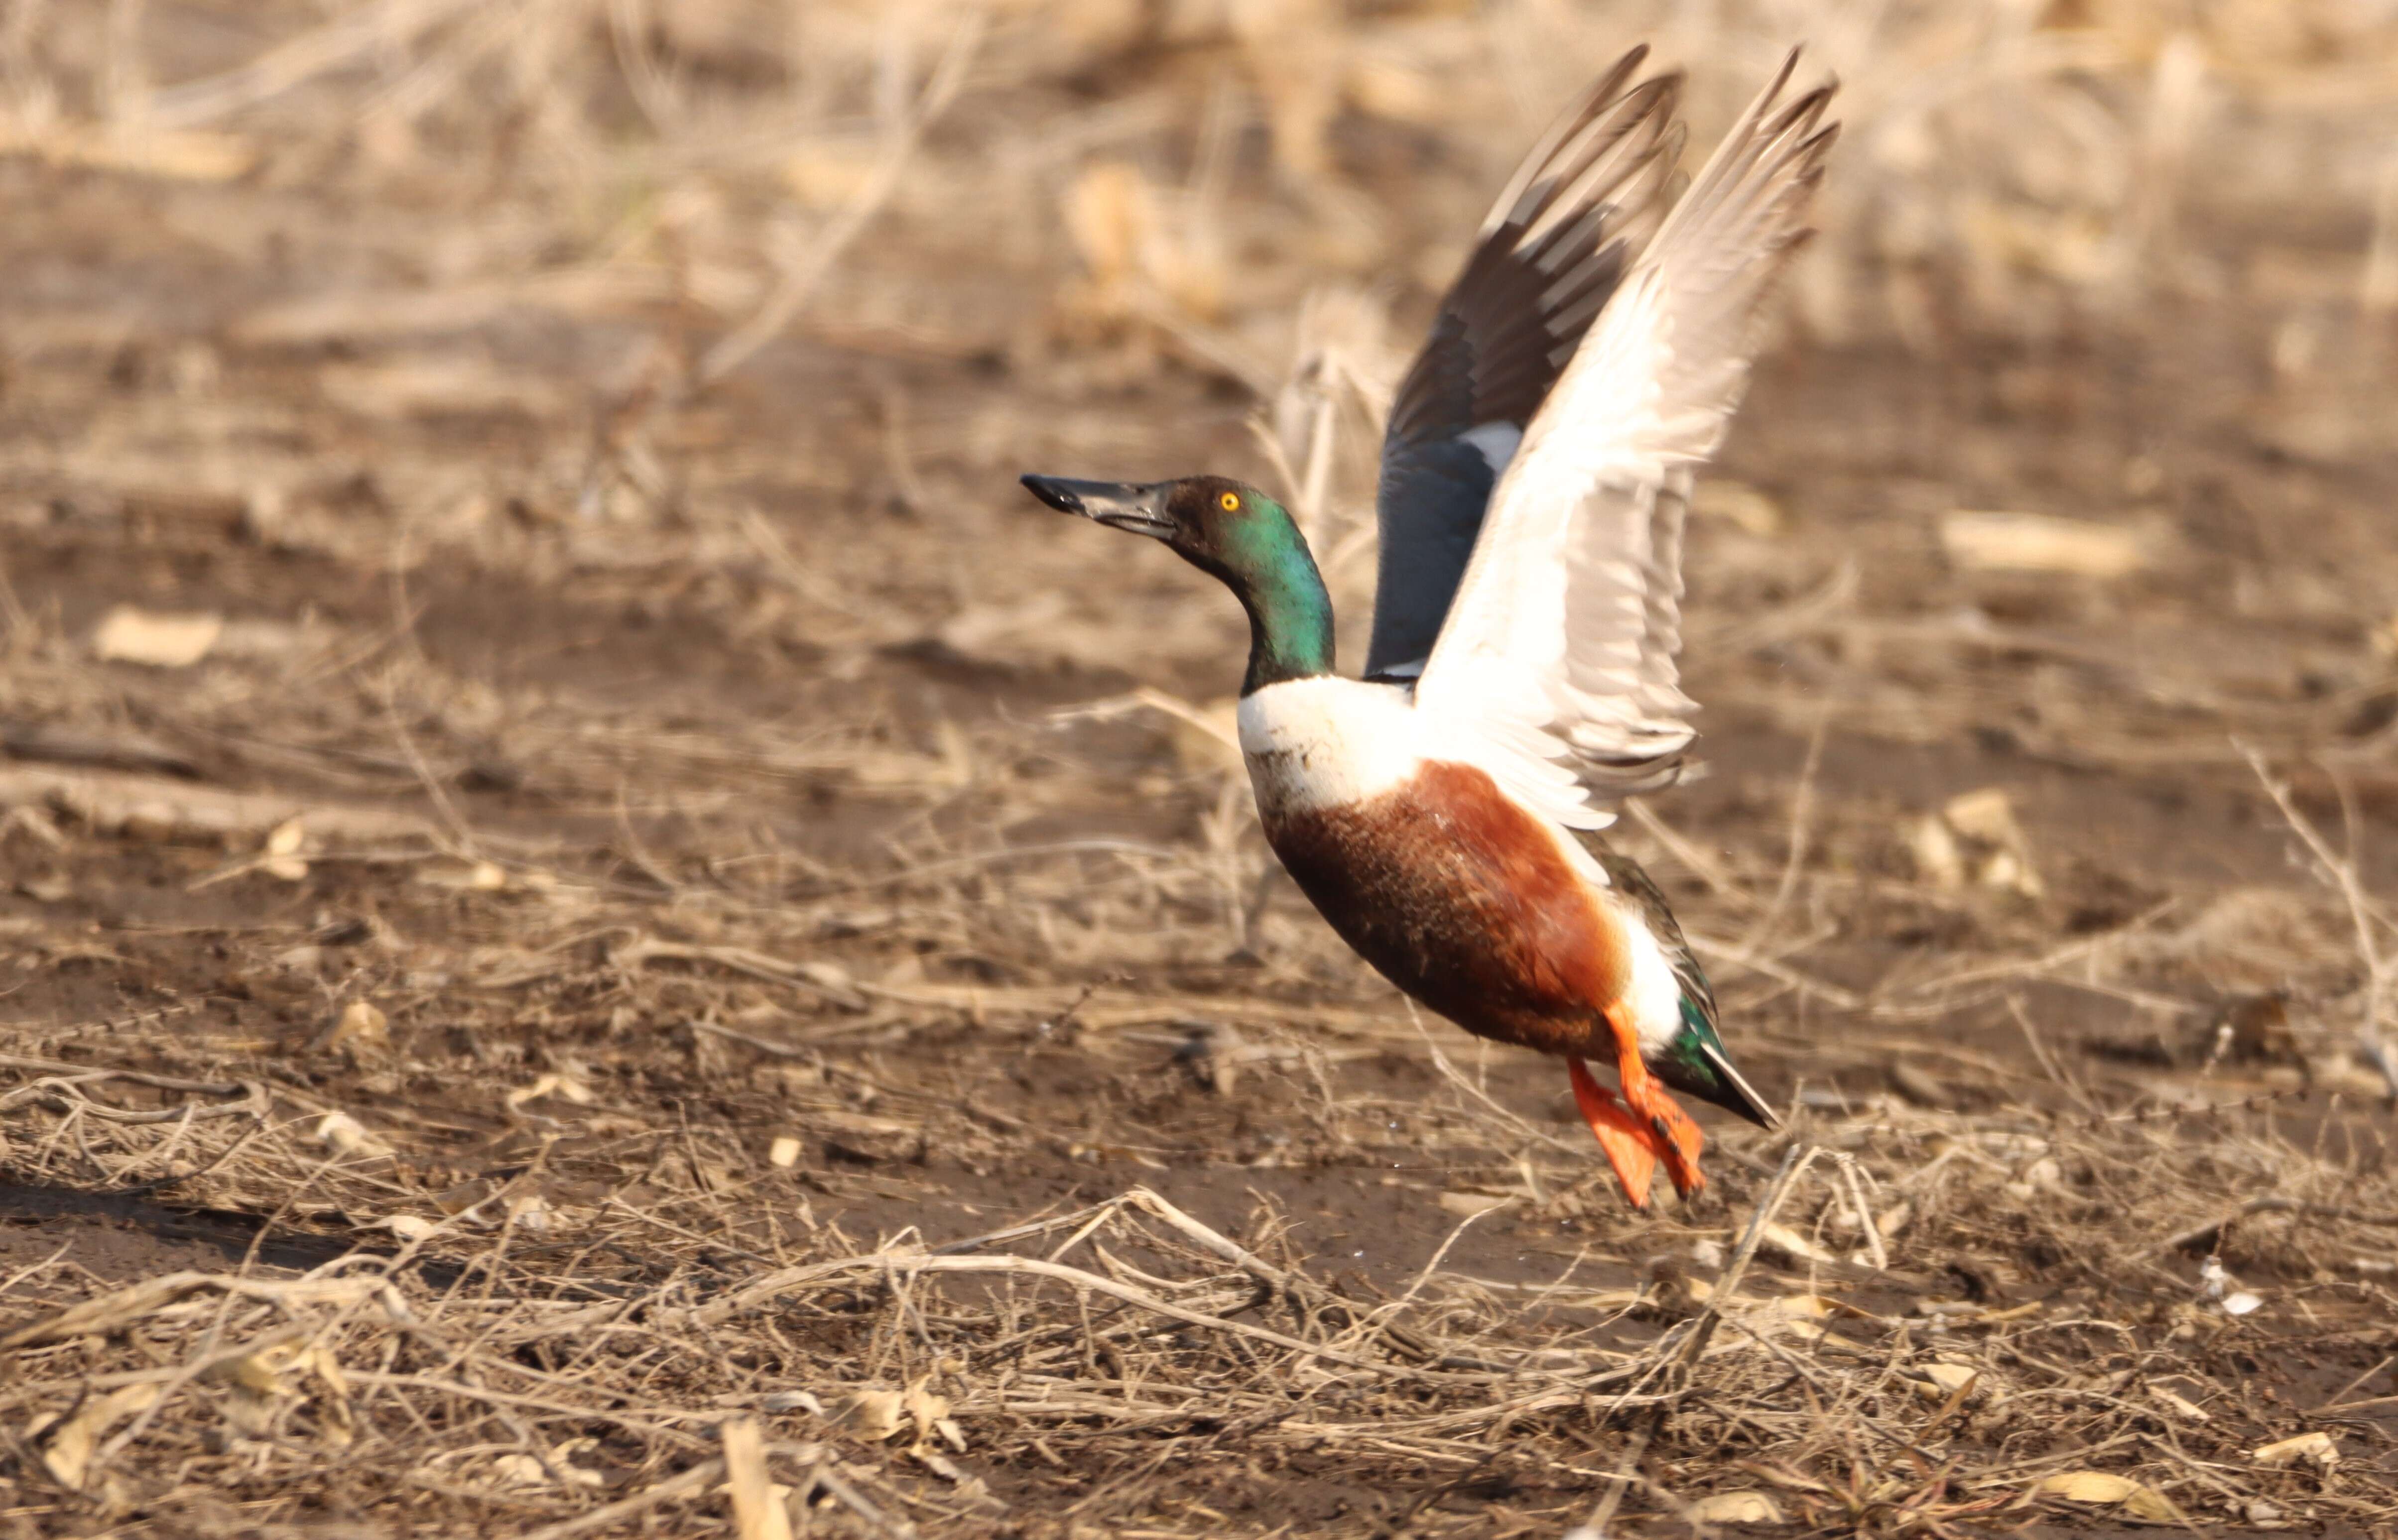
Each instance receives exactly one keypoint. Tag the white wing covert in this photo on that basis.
(1554, 671)
(1563, 234)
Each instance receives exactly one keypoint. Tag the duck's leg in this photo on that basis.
(1628, 1142)
(1676, 1138)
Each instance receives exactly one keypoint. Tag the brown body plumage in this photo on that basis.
(1456, 895)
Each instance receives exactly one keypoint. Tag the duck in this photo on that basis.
(1444, 810)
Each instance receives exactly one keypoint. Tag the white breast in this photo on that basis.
(1328, 743)
(1332, 742)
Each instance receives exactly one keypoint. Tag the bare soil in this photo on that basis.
(735, 810)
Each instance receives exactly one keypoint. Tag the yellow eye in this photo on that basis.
(1229, 502)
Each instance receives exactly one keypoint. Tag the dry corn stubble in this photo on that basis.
(600, 935)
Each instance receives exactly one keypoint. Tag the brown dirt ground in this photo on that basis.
(792, 672)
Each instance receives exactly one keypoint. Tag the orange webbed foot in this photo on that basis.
(1628, 1141)
(1677, 1139)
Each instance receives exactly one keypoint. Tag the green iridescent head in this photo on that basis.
(1239, 534)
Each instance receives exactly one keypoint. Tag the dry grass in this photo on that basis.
(651, 959)
(512, 1356)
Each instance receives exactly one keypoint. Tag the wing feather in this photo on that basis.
(1555, 245)
(1559, 650)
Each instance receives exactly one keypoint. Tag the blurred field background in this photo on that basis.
(571, 847)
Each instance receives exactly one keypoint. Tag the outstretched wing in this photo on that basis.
(1553, 248)
(1555, 669)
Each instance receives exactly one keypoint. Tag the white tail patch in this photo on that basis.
(1652, 991)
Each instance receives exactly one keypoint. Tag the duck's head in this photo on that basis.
(1238, 534)
(1211, 521)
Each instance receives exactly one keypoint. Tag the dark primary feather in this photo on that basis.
(1555, 246)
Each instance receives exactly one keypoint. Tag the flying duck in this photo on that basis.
(1443, 812)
